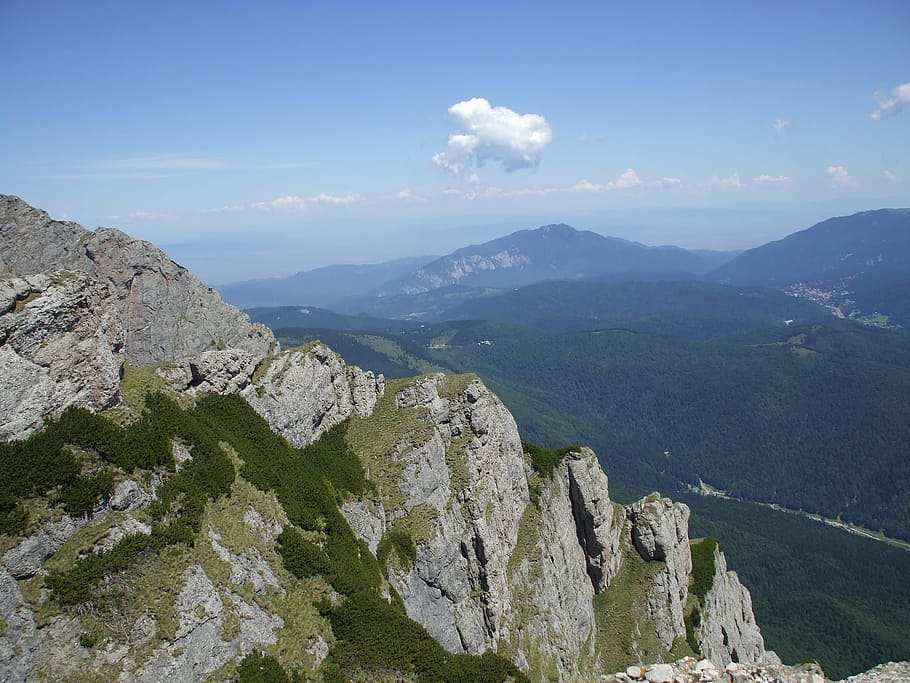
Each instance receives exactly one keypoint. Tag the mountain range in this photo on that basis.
(854, 266)
(180, 499)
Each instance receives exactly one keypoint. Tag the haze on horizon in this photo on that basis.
(263, 141)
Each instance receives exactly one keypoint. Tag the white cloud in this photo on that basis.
(287, 203)
(229, 208)
(780, 125)
(628, 179)
(334, 200)
(493, 133)
(889, 176)
(297, 203)
(890, 104)
(730, 181)
(665, 182)
(771, 180)
(589, 139)
(147, 216)
(840, 177)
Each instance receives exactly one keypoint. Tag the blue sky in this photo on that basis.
(252, 140)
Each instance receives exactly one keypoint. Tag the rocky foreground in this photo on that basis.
(691, 670)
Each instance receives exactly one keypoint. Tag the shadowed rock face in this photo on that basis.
(166, 312)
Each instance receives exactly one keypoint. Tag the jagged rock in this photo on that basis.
(458, 587)
(728, 632)
(22, 648)
(892, 672)
(247, 567)
(130, 526)
(224, 372)
(25, 559)
(553, 615)
(304, 393)
(167, 312)
(660, 531)
(60, 345)
(592, 512)
(127, 496)
(144, 629)
(688, 670)
(198, 649)
(268, 530)
(367, 519)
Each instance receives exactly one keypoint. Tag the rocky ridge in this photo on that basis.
(532, 561)
(165, 311)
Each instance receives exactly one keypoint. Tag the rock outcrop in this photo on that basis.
(660, 531)
(165, 311)
(61, 344)
(728, 632)
(706, 671)
(303, 393)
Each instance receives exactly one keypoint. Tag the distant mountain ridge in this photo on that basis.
(550, 252)
(845, 246)
(858, 266)
(324, 286)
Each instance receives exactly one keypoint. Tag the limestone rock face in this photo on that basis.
(222, 372)
(166, 312)
(304, 393)
(459, 586)
(728, 632)
(25, 559)
(198, 649)
(593, 516)
(21, 647)
(660, 531)
(61, 344)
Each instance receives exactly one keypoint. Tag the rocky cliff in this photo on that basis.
(180, 539)
(165, 311)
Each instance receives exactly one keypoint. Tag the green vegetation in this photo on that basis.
(257, 667)
(545, 460)
(625, 630)
(373, 636)
(818, 592)
(703, 570)
(400, 542)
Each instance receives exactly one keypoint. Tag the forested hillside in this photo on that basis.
(810, 417)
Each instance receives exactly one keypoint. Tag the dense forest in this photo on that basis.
(809, 417)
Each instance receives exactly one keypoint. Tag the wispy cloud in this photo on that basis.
(665, 182)
(229, 208)
(290, 203)
(771, 180)
(728, 182)
(840, 177)
(490, 133)
(780, 125)
(628, 179)
(890, 176)
(891, 103)
(590, 139)
(142, 216)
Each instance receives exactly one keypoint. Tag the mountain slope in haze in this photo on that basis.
(551, 252)
(870, 243)
(320, 286)
(687, 308)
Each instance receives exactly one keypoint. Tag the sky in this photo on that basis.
(263, 139)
